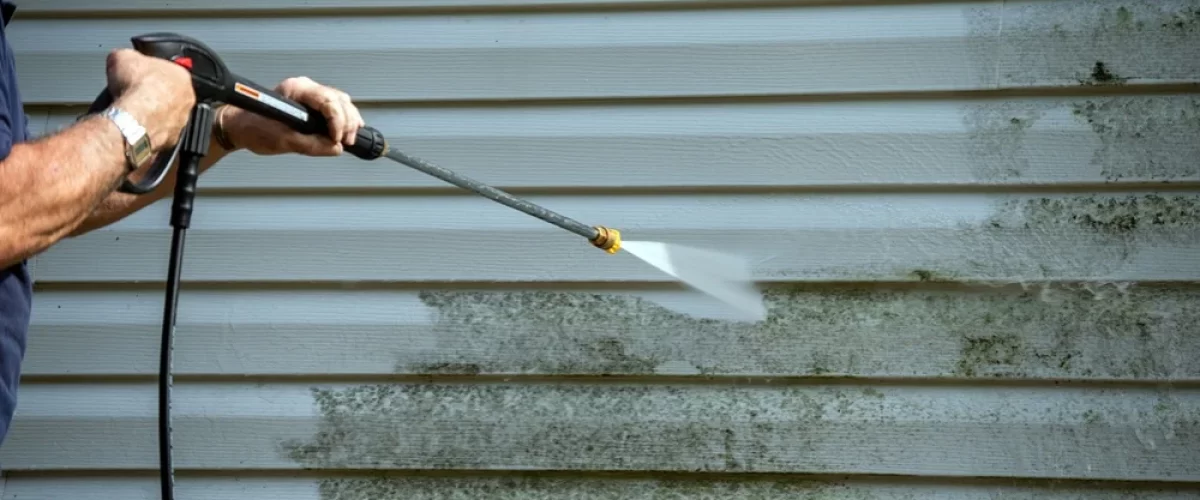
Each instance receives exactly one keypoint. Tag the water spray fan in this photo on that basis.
(214, 85)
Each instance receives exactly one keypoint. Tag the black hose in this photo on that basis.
(195, 141)
(165, 467)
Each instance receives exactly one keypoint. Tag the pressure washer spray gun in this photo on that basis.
(214, 84)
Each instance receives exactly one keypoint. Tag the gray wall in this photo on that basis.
(976, 225)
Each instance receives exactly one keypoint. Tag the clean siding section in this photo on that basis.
(656, 53)
(53, 8)
(787, 237)
(1085, 141)
(976, 225)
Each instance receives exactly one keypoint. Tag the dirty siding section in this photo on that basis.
(976, 224)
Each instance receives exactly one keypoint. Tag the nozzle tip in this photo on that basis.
(607, 239)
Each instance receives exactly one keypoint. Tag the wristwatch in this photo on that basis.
(137, 141)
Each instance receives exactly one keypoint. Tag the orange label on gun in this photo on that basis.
(242, 89)
(271, 101)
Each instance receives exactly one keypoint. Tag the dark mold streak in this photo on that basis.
(926, 275)
(1102, 76)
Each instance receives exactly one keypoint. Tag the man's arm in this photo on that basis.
(49, 186)
(117, 205)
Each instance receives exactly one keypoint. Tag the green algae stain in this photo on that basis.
(1144, 137)
(1117, 215)
(1151, 138)
(1089, 42)
(516, 485)
(1094, 236)
(996, 350)
(848, 331)
(519, 485)
(572, 427)
(1124, 17)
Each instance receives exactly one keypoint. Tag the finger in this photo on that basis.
(307, 91)
(323, 99)
(354, 119)
(331, 107)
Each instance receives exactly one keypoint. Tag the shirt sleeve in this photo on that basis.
(7, 125)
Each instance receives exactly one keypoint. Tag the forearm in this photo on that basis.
(117, 205)
(49, 186)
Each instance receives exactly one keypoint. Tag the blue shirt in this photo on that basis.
(16, 287)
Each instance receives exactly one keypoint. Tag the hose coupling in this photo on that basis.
(607, 239)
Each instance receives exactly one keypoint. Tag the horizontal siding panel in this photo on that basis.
(945, 431)
(1085, 140)
(831, 49)
(1101, 332)
(857, 237)
(160, 7)
(249, 487)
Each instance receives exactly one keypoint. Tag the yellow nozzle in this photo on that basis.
(607, 239)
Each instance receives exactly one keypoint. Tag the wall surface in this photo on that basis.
(976, 225)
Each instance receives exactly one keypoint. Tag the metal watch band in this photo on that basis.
(137, 141)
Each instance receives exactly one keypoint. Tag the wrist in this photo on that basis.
(143, 111)
(136, 141)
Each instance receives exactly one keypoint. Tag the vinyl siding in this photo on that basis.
(976, 226)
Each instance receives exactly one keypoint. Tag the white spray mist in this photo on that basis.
(724, 277)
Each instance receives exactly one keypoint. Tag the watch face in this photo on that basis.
(142, 148)
(140, 151)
